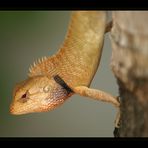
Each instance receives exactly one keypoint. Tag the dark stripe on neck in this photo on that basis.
(61, 82)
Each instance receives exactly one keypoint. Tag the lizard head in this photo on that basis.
(38, 94)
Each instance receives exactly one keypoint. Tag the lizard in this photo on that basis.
(52, 80)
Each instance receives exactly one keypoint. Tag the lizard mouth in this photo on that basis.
(14, 111)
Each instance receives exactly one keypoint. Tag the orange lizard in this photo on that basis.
(70, 71)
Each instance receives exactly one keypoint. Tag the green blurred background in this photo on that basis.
(26, 36)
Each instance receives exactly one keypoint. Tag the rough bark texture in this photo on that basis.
(129, 63)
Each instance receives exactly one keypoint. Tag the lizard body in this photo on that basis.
(54, 79)
(80, 54)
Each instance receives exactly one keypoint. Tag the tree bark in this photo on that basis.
(129, 63)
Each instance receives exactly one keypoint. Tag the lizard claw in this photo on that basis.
(117, 125)
(118, 98)
(116, 132)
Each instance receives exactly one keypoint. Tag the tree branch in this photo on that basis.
(129, 63)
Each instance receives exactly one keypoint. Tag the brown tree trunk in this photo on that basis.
(129, 63)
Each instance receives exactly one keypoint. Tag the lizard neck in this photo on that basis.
(77, 60)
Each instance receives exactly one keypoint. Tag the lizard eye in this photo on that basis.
(46, 89)
(24, 95)
(23, 98)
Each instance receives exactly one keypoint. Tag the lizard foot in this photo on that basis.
(117, 121)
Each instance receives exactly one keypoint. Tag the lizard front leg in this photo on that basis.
(96, 94)
(101, 96)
